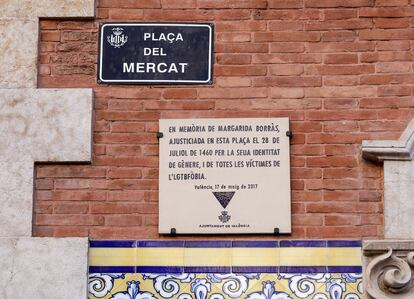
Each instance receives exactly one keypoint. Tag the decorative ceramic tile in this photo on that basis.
(216, 276)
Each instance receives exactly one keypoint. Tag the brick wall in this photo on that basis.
(341, 70)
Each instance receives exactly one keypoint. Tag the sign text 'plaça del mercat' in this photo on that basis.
(155, 53)
(224, 176)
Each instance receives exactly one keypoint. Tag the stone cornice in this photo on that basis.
(397, 150)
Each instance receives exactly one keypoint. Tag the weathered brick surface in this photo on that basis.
(340, 69)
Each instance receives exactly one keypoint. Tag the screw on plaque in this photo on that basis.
(289, 134)
(160, 135)
(276, 231)
(173, 232)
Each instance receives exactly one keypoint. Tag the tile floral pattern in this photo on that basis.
(336, 280)
(225, 286)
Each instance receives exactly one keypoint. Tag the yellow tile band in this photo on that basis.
(112, 256)
(210, 257)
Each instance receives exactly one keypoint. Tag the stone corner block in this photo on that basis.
(43, 268)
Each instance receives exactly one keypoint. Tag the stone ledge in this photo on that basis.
(380, 150)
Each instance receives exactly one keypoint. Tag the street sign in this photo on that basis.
(155, 53)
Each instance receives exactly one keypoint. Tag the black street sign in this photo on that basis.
(156, 53)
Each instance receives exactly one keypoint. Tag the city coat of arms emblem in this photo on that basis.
(117, 39)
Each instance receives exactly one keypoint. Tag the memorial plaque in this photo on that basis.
(224, 176)
(156, 53)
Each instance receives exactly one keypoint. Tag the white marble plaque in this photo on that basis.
(224, 176)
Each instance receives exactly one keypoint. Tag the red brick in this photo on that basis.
(236, 59)
(130, 4)
(307, 220)
(285, 36)
(251, 70)
(338, 36)
(392, 23)
(127, 195)
(285, 4)
(178, 105)
(393, 45)
(340, 126)
(292, 14)
(287, 92)
(386, 12)
(385, 56)
(338, 3)
(341, 80)
(333, 220)
(124, 173)
(70, 171)
(340, 58)
(71, 184)
(133, 232)
(339, 24)
(178, 3)
(331, 207)
(383, 125)
(48, 24)
(286, 47)
(340, 104)
(126, 14)
(287, 58)
(340, 69)
(44, 184)
(234, 37)
(288, 81)
(242, 48)
(387, 79)
(70, 231)
(372, 219)
(340, 13)
(232, 4)
(150, 220)
(181, 93)
(389, 34)
(285, 25)
(374, 196)
(308, 150)
(218, 93)
(69, 220)
(123, 220)
(233, 14)
(332, 161)
(340, 196)
(338, 138)
(329, 47)
(349, 231)
(393, 67)
(124, 208)
(386, 91)
(391, 2)
(233, 82)
(70, 208)
(43, 208)
(240, 26)
(286, 70)
(337, 173)
(50, 36)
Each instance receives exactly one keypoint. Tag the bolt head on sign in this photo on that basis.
(155, 53)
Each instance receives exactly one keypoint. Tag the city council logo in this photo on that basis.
(117, 39)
